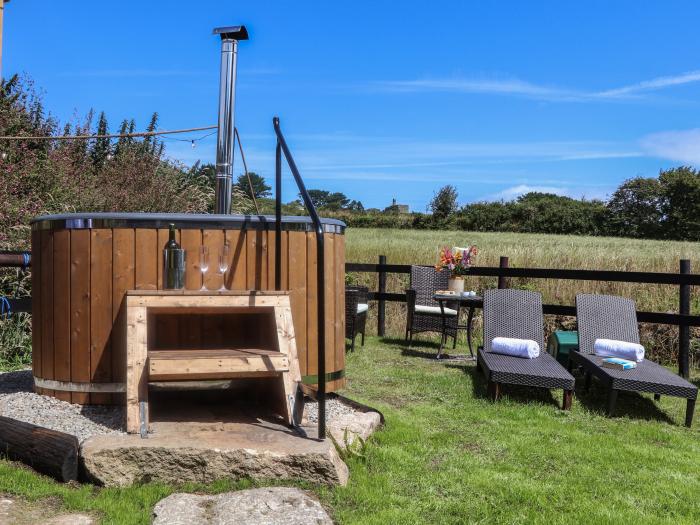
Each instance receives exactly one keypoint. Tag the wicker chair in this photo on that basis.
(518, 314)
(611, 317)
(423, 312)
(356, 307)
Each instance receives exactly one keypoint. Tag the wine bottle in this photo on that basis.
(173, 263)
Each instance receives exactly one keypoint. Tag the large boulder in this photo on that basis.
(265, 506)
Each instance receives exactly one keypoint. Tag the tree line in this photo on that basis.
(664, 207)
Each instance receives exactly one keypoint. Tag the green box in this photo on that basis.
(560, 343)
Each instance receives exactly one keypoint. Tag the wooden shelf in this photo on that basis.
(216, 363)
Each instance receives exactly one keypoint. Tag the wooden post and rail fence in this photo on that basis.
(684, 279)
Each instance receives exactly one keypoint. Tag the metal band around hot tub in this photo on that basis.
(68, 386)
(181, 221)
(330, 376)
(105, 388)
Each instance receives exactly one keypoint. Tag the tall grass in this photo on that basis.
(540, 251)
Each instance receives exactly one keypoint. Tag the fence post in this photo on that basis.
(381, 303)
(503, 281)
(684, 330)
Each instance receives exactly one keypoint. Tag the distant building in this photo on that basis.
(397, 208)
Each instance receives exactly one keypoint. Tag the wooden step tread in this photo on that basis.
(210, 353)
(217, 363)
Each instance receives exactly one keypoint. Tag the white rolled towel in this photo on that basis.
(621, 349)
(516, 347)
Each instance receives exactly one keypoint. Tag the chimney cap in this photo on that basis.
(231, 32)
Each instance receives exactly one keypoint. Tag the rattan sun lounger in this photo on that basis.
(611, 317)
(518, 314)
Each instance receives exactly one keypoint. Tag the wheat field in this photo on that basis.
(538, 251)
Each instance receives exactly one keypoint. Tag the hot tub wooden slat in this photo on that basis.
(311, 304)
(328, 249)
(38, 319)
(80, 311)
(237, 273)
(212, 239)
(146, 259)
(122, 280)
(297, 288)
(100, 311)
(61, 309)
(46, 283)
(189, 329)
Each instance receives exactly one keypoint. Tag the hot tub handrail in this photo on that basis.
(320, 263)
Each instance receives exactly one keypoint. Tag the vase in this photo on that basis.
(455, 284)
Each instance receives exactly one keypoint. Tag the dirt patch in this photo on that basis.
(16, 511)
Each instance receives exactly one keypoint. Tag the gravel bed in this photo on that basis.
(19, 402)
(334, 409)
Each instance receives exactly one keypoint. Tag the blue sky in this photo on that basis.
(382, 99)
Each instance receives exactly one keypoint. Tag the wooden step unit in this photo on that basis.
(239, 334)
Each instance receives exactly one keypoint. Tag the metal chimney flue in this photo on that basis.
(227, 97)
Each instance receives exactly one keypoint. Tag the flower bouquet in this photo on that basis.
(457, 261)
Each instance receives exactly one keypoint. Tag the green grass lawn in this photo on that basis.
(449, 455)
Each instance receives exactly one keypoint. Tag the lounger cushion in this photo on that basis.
(433, 310)
(362, 308)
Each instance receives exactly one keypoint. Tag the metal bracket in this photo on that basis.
(142, 418)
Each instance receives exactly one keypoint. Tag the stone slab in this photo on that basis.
(203, 451)
(264, 506)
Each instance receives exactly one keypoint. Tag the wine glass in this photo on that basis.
(203, 263)
(223, 264)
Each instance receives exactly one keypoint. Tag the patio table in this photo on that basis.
(471, 303)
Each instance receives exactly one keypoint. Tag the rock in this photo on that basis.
(265, 506)
(187, 452)
(346, 428)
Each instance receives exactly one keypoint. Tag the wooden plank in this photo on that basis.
(146, 259)
(285, 260)
(294, 395)
(269, 258)
(61, 309)
(339, 245)
(255, 261)
(46, 283)
(207, 353)
(191, 241)
(263, 266)
(100, 311)
(224, 366)
(123, 279)
(311, 306)
(214, 240)
(136, 359)
(237, 274)
(80, 311)
(329, 289)
(37, 312)
(189, 329)
(297, 290)
(203, 301)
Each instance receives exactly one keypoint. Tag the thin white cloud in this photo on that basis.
(653, 84)
(679, 146)
(517, 87)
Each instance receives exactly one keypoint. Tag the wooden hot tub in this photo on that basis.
(83, 264)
